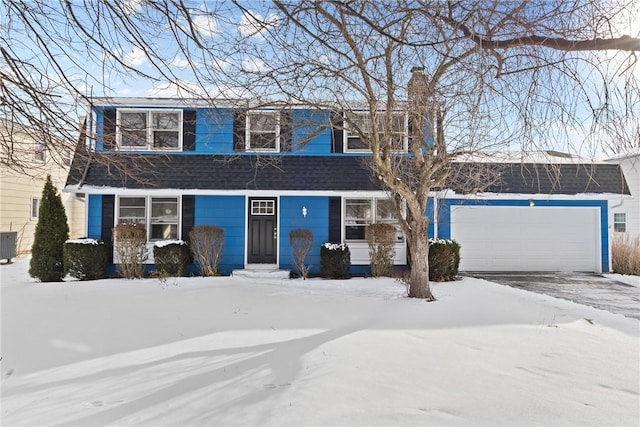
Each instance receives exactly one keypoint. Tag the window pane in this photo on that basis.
(385, 211)
(35, 207)
(355, 143)
(133, 121)
(164, 210)
(262, 122)
(132, 209)
(164, 139)
(358, 216)
(134, 138)
(39, 152)
(164, 231)
(165, 120)
(262, 141)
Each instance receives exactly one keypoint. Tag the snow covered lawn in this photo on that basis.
(225, 351)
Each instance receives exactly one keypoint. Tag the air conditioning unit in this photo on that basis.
(8, 241)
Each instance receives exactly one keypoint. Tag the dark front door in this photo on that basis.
(263, 230)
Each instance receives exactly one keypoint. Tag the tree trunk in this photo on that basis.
(419, 276)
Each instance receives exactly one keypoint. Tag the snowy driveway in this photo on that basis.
(594, 290)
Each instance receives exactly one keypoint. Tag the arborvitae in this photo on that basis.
(47, 260)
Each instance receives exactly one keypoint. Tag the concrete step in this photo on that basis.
(261, 273)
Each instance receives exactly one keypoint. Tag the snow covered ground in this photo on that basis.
(227, 351)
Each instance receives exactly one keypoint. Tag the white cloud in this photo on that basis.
(253, 65)
(131, 7)
(136, 56)
(254, 24)
(180, 61)
(204, 22)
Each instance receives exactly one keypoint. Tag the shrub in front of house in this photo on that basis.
(335, 261)
(301, 240)
(625, 254)
(444, 260)
(85, 259)
(47, 259)
(171, 258)
(130, 243)
(207, 245)
(381, 238)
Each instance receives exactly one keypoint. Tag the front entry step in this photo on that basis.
(261, 271)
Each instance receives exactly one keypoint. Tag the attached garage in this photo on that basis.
(528, 238)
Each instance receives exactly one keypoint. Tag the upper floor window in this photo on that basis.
(359, 213)
(39, 152)
(620, 222)
(159, 215)
(360, 126)
(149, 129)
(263, 131)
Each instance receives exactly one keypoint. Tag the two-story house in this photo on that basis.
(261, 172)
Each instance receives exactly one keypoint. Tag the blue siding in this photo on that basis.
(214, 131)
(444, 223)
(311, 132)
(94, 216)
(227, 212)
(317, 221)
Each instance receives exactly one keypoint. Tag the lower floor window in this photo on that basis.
(158, 214)
(35, 207)
(620, 222)
(361, 212)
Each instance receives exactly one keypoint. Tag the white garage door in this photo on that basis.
(509, 238)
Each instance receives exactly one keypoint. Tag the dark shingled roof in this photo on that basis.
(327, 173)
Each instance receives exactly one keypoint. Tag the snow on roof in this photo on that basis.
(540, 157)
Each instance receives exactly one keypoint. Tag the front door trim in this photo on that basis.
(256, 207)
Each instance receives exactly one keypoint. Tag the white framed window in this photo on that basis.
(159, 129)
(359, 126)
(360, 212)
(263, 207)
(159, 215)
(263, 131)
(620, 222)
(35, 207)
(39, 152)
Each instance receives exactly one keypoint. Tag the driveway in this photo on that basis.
(583, 288)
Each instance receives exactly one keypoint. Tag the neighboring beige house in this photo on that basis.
(625, 212)
(21, 188)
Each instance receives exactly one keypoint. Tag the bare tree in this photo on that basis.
(490, 76)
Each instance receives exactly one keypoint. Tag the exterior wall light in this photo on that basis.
(531, 203)
(304, 211)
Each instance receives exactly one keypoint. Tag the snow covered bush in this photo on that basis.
(85, 259)
(335, 261)
(444, 259)
(301, 240)
(207, 244)
(47, 260)
(130, 243)
(171, 258)
(625, 254)
(381, 238)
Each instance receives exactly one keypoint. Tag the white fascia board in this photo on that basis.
(521, 196)
(89, 189)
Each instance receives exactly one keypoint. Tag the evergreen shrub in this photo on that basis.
(47, 252)
(171, 258)
(444, 260)
(335, 261)
(86, 259)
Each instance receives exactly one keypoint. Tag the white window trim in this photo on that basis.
(31, 207)
(374, 214)
(39, 149)
(149, 131)
(348, 132)
(248, 132)
(624, 222)
(147, 212)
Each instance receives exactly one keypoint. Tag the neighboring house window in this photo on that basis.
(160, 215)
(149, 129)
(360, 126)
(263, 131)
(67, 157)
(361, 212)
(39, 152)
(620, 222)
(35, 207)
